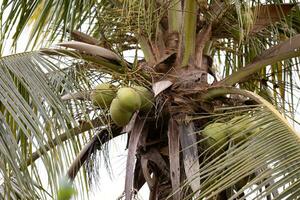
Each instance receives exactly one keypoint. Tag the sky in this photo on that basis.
(112, 188)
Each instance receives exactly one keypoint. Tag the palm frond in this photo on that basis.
(43, 16)
(255, 162)
(190, 154)
(34, 120)
(174, 15)
(254, 156)
(279, 21)
(138, 130)
(189, 26)
(50, 21)
(174, 149)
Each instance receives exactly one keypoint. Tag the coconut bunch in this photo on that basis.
(122, 102)
(237, 130)
(221, 138)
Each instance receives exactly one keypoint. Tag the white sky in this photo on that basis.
(112, 188)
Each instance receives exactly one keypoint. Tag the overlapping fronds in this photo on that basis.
(271, 25)
(47, 18)
(35, 120)
(257, 158)
(45, 102)
(113, 23)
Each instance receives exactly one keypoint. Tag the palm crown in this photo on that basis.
(206, 110)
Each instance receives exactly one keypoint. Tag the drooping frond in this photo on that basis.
(26, 108)
(253, 153)
(34, 120)
(270, 26)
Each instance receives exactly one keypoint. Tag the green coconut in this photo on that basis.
(66, 190)
(147, 98)
(242, 127)
(119, 116)
(216, 133)
(103, 94)
(258, 130)
(129, 99)
(235, 128)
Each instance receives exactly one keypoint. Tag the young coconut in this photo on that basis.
(236, 129)
(129, 99)
(147, 98)
(119, 116)
(242, 127)
(216, 133)
(103, 94)
(66, 190)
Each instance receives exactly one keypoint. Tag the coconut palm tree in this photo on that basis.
(223, 78)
